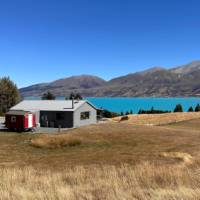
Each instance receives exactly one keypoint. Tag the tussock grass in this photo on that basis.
(110, 161)
(159, 119)
(59, 141)
(185, 157)
(144, 181)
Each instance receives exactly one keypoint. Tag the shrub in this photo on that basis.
(2, 114)
(152, 111)
(74, 142)
(178, 108)
(54, 142)
(75, 96)
(123, 118)
(197, 108)
(48, 96)
(108, 114)
(127, 113)
(191, 109)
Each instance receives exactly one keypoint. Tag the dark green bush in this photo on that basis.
(191, 109)
(197, 108)
(152, 111)
(109, 114)
(178, 108)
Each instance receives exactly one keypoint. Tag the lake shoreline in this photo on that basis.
(134, 104)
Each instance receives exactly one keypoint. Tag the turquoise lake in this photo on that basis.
(119, 104)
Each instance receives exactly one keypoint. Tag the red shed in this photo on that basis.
(20, 120)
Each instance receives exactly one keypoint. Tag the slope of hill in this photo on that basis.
(189, 68)
(180, 81)
(65, 86)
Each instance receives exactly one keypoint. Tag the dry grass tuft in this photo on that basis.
(58, 141)
(145, 181)
(185, 157)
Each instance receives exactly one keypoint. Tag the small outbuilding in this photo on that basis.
(59, 113)
(20, 120)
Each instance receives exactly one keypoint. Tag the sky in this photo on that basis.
(44, 40)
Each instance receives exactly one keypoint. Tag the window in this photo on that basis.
(13, 119)
(85, 115)
(60, 116)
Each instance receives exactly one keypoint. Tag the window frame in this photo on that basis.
(13, 119)
(85, 115)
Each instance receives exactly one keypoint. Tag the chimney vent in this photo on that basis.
(72, 103)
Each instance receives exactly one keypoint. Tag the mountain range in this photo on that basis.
(181, 81)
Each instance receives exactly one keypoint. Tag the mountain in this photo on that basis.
(64, 86)
(186, 69)
(152, 70)
(157, 81)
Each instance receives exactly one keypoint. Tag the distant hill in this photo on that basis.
(65, 86)
(154, 82)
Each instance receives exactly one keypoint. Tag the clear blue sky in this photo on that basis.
(42, 40)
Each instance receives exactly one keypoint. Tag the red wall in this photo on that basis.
(18, 124)
(21, 121)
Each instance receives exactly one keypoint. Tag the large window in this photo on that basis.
(60, 116)
(85, 115)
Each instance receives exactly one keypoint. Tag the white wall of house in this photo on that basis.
(82, 122)
(37, 116)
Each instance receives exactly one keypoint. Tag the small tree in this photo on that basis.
(75, 96)
(178, 108)
(71, 96)
(122, 113)
(48, 96)
(78, 97)
(127, 113)
(140, 111)
(9, 94)
(191, 109)
(197, 108)
(108, 114)
(131, 112)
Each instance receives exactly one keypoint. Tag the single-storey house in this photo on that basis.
(59, 113)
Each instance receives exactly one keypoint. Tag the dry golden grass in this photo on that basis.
(56, 142)
(159, 119)
(104, 161)
(110, 143)
(184, 157)
(116, 143)
(142, 182)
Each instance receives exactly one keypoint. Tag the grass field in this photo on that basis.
(159, 119)
(103, 161)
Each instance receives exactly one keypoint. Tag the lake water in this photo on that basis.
(135, 104)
